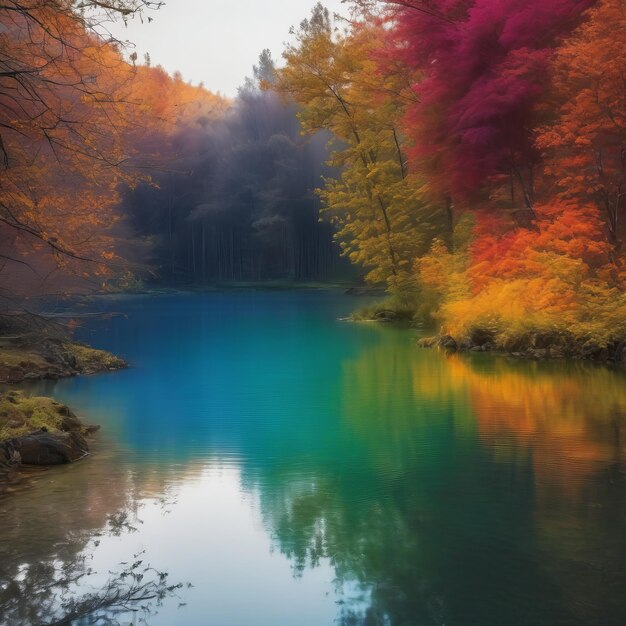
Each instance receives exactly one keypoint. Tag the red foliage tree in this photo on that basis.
(484, 65)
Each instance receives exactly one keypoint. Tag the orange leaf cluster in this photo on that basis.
(78, 124)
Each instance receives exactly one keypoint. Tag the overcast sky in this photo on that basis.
(216, 41)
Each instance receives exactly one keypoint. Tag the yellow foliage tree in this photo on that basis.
(383, 222)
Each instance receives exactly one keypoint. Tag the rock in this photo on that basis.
(44, 448)
(541, 341)
(529, 342)
(9, 458)
(447, 342)
(557, 352)
(594, 352)
(617, 351)
(476, 349)
(427, 342)
(480, 336)
(92, 428)
(513, 345)
(69, 421)
(386, 315)
(56, 352)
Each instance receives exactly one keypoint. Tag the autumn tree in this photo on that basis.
(61, 136)
(586, 143)
(484, 70)
(382, 222)
(512, 97)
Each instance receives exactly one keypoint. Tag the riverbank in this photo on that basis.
(38, 431)
(160, 289)
(53, 360)
(532, 345)
(529, 344)
(35, 348)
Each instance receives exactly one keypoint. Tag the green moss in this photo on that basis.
(400, 307)
(92, 360)
(20, 414)
(14, 357)
(54, 360)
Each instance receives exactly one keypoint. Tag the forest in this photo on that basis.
(468, 156)
(214, 408)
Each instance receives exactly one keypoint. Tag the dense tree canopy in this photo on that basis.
(338, 79)
(236, 201)
(114, 170)
(511, 117)
(466, 154)
(66, 104)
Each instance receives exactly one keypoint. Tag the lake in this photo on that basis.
(301, 470)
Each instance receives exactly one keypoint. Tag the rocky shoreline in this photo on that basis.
(52, 358)
(532, 345)
(38, 431)
(34, 347)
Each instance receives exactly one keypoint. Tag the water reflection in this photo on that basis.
(194, 523)
(326, 473)
(491, 492)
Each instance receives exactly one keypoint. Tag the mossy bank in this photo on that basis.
(33, 348)
(532, 345)
(38, 431)
(53, 359)
(529, 343)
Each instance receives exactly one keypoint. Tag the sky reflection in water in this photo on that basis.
(297, 469)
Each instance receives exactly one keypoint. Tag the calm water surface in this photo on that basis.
(299, 470)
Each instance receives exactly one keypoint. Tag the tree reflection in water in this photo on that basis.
(435, 489)
(481, 483)
(51, 582)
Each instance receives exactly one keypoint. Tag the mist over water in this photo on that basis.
(301, 470)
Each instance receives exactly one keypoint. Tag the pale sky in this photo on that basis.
(217, 41)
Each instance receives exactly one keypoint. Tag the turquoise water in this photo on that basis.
(300, 470)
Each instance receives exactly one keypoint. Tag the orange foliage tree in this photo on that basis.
(61, 151)
(76, 127)
(520, 138)
(586, 145)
